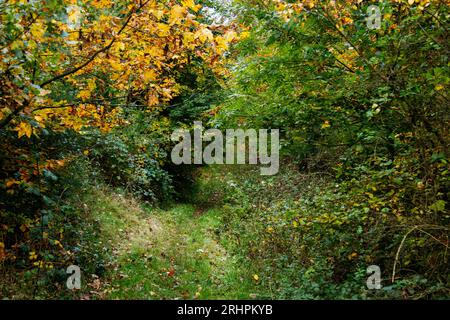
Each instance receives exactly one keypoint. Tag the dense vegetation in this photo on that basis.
(90, 92)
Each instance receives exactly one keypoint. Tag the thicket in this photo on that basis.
(367, 110)
(363, 115)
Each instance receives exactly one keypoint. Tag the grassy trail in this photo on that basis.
(170, 254)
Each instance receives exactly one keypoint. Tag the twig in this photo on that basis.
(398, 252)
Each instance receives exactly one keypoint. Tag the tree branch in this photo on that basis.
(7, 119)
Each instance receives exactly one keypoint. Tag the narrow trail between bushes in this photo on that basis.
(170, 254)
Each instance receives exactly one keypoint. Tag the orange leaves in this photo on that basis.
(171, 272)
(153, 100)
(85, 115)
(2, 252)
(86, 93)
(11, 182)
(54, 164)
(116, 64)
(347, 20)
(352, 256)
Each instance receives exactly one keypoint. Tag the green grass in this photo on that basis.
(169, 254)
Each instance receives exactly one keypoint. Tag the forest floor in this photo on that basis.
(170, 253)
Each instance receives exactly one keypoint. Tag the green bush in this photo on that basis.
(314, 237)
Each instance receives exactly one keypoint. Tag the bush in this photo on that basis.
(314, 237)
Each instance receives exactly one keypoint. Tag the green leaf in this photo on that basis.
(438, 206)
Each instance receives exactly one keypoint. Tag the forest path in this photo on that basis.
(173, 254)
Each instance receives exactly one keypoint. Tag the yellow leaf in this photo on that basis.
(352, 256)
(150, 75)
(120, 46)
(191, 5)
(204, 34)
(58, 243)
(102, 3)
(17, 45)
(116, 65)
(230, 36)
(84, 94)
(163, 29)
(188, 37)
(347, 20)
(155, 51)
(91, 84)
(158, 14)
(256, 277)
(33, 255)
(222, 44)
(244, 35)
(326, 124)
(439, 87)
(24, 128)
(176, 13)
(37, 30)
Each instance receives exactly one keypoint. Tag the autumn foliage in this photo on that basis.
(90, 91)
(73, 66)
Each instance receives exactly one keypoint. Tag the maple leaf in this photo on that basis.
(191, 5)
(24, 128)
(204, 34)
(84, 95)
(150, 75)
(37, 30)
(176, 13)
